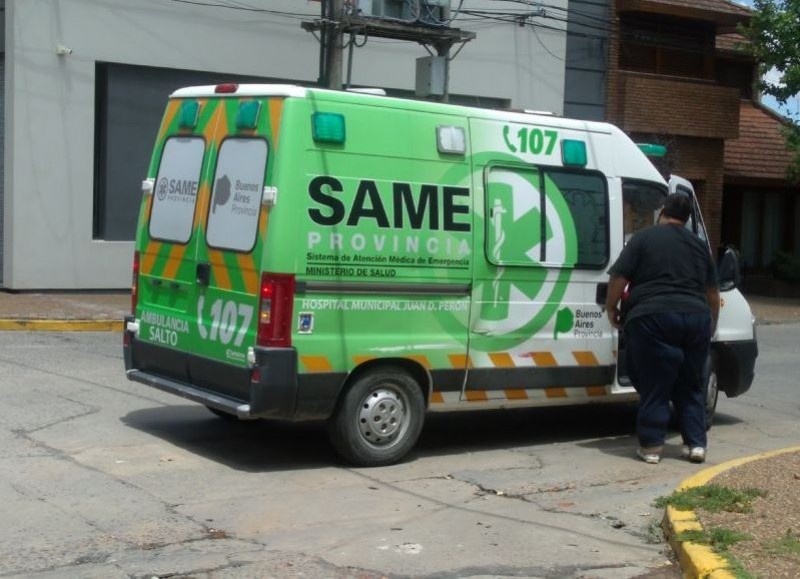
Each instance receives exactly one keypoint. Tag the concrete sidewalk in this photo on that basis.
(104, 310)
(64, 311)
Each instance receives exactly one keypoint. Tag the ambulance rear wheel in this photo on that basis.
(379, 418)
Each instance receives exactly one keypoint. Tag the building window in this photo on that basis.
(666, 46)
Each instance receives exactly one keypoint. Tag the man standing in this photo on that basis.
(669, 317)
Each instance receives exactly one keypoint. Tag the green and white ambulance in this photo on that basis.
(306, 254)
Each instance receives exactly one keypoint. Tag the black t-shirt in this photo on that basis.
(670, 269)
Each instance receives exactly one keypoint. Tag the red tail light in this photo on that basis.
(226, 88)
(275, 310)
(135, 283)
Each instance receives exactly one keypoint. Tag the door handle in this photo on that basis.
(601, 294)
(203, 273)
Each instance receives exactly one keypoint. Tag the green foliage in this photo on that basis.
(774, 40)
(774, 36)
(792, 134)
(713, 498)
(736, 568)
(788, 545)
(787, 266)
(723, 539)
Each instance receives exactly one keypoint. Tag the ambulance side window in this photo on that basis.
(176, 188)
(539, 216)
(587, 200)
(236, 197)
(641, 204)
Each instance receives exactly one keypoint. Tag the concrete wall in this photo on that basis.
(50, 109)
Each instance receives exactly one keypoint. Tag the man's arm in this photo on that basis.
(712, 295)
(616, 286)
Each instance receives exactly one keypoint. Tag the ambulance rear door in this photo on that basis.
(230, 246)
(167, 242)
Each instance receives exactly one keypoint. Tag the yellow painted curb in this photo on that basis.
(7, 325)
(699, 561)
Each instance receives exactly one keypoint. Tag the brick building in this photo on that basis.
(668, 83)
(677, 75)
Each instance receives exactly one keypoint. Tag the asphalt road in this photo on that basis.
(102, 477)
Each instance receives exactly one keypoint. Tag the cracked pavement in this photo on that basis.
(101, 477)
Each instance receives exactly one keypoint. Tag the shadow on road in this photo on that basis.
(261, 445)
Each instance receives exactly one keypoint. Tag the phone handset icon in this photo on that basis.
(509, 144)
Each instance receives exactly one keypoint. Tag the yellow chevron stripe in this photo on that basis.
(249, 275)
(362, 359)
(219, 270)
(502, 360)
(460, 361)
(262, 224)
(202, 204)
(585, 358)
(516, 394)
(437, 398)
(150, 256)
(316, 363)
(545, 359)
(596, 391)
(174, 261)
(555, 392)
(173, 106)
(275, 110)
(476, 395)
(219, 132)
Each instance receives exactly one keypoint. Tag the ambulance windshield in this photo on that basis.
(641, 202)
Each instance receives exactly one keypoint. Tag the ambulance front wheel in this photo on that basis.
(379, 417)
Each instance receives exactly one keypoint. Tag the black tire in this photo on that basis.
(378, 418)
(221, 414)
(711, 391)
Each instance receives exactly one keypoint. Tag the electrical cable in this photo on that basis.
(243, 7)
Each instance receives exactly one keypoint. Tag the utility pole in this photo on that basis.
(334, 24)
(333, 41)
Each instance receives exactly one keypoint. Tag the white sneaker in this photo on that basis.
(695, 454)
(649, 455)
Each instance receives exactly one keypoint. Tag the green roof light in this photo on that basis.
(188, 114)
(327, 127)
(247, 115)
(652, 150)
(573, 153)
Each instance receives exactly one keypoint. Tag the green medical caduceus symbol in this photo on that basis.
(497, 307)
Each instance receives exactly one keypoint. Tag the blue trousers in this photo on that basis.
(666, 355)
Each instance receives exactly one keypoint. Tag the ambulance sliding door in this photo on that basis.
(537, 332)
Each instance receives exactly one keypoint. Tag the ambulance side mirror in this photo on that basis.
(728, 269)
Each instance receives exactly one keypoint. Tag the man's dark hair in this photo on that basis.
(678, 206)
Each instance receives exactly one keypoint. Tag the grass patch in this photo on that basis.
(712, 498)
(788, 545)
(717, 538)
(736, 568)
